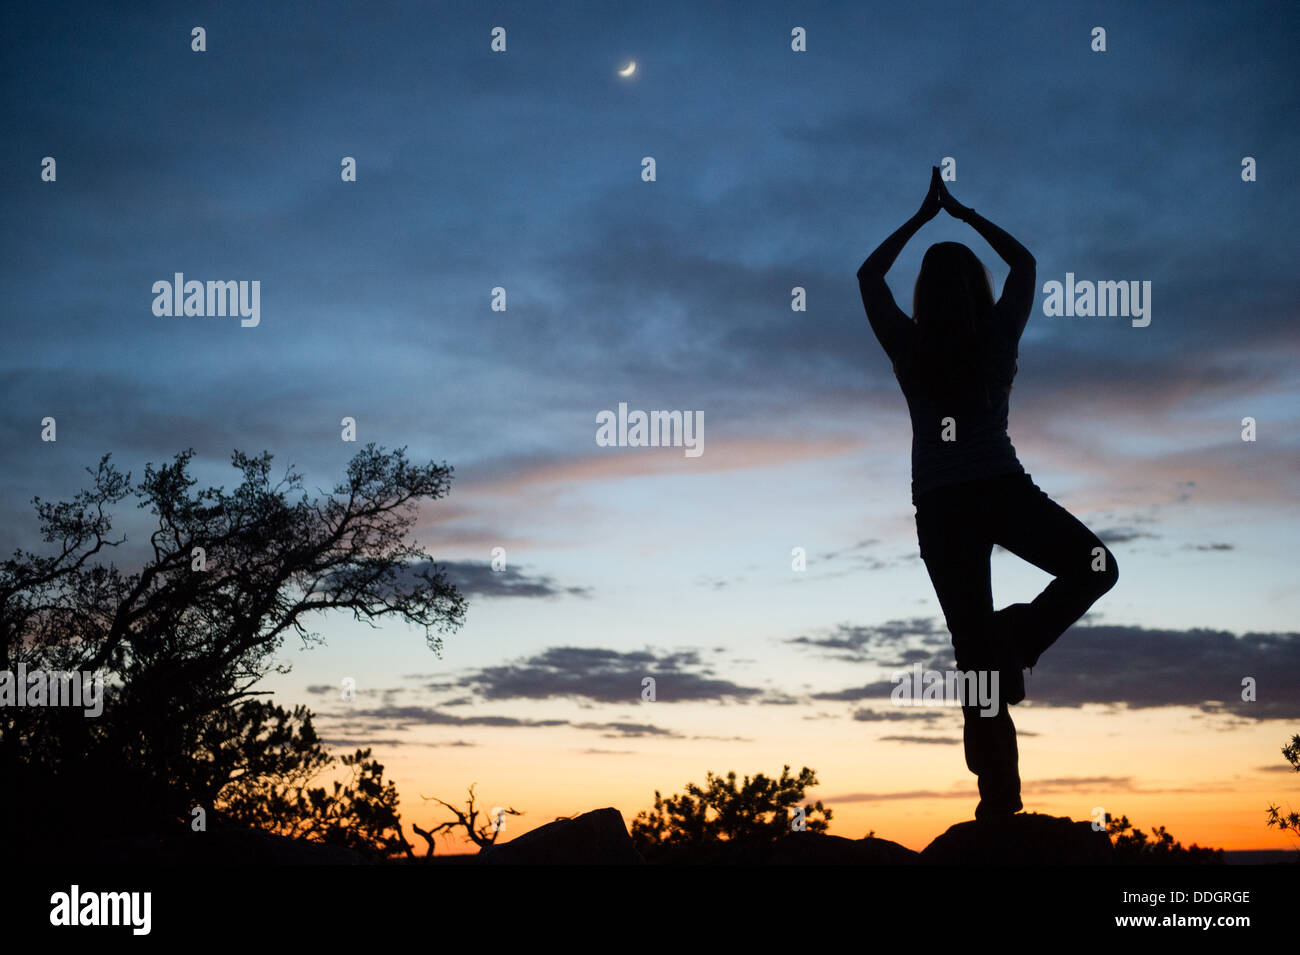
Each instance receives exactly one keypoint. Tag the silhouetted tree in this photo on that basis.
(184, 639)
(1288, 821)
(1135, 848)
(483, 836)
(275, 793)
(759, 811)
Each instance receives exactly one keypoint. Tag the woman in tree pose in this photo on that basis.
(955, 360)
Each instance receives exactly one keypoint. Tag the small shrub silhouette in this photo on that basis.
(1135, 848)
(758, 812)
(1288, 821)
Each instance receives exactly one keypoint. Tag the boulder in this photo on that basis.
(796, 848)
(598, 837)
(812, 848)
(1020, 839)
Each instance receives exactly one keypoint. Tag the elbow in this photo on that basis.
(1024, 268)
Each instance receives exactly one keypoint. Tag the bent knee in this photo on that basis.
(1105, 571)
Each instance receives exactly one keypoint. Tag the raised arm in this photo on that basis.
(887, 319)
(1018, 293)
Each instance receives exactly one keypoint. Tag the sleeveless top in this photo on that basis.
(977, 444)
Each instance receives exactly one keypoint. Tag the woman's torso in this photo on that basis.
(960, 438)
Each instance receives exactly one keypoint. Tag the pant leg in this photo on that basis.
(956, 544)
(1035, 528)
(993, 756)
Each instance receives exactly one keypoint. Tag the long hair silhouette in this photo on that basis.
(952, 305)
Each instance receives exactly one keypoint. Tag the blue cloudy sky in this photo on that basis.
(775, 169)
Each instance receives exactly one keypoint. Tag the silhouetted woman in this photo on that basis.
(955, 363)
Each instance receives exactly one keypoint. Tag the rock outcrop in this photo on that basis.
(1021, 839)
(598, 837)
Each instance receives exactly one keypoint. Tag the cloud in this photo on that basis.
(1040, 787)
(1122, 535)
(365, 742)
(605, 676)
(477, 578)
(912, 639)
(406, 716)
(1139, 668)
(628, 730)
(1125, 666)
(942, 740)
(513, 475)
(383, 718)
(853, 550)
(904, 795)
(920, 714)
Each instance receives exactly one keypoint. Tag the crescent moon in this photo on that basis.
(629, 69)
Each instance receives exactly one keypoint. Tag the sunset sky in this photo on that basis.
(775, 169)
